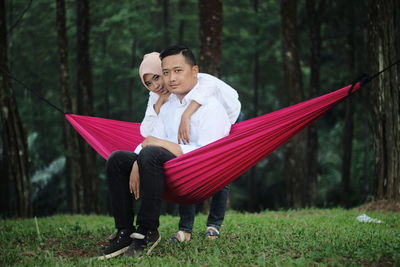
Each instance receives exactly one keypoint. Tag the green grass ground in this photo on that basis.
(302, 238)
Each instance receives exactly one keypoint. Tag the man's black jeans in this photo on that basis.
(150, 160)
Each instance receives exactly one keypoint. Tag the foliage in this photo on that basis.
(304, 237)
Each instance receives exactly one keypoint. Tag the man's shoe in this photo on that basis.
(118, 245)
(143, 239)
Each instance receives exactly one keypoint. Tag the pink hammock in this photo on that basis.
(198, 175)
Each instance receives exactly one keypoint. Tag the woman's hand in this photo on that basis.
(134, 181)
(184, 131)
(160, 101)
(161, 91)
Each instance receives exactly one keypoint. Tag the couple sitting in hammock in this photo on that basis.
(186, 110)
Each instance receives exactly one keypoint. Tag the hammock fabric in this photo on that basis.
(199, 174)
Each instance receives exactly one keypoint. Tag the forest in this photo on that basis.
(83, 57)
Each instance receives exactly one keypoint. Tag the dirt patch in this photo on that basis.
(70, 251)
(381, 205)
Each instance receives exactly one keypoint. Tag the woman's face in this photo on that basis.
(154, 83)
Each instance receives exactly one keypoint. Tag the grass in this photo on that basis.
(302, 238)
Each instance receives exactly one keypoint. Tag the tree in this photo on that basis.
(295, 154)
(15, 152)
(348, 130)
(314, 9)
(210, 44)
(181, 29)
(85, 107)
(165, 26)
(210, 36)
(252, 180)
(70, 137)
(384, 49)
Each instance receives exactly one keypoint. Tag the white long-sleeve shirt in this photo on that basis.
(208, 86)
(208, 124)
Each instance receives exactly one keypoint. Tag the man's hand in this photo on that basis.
(134, 181)
(171, 147)
(152, 141)
(184, 131)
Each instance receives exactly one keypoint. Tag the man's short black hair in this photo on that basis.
(179, 49)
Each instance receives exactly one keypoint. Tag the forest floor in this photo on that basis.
(307, 237)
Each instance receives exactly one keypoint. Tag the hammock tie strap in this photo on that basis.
(362, 79)
(33, 91)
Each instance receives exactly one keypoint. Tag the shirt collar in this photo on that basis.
(187, 97)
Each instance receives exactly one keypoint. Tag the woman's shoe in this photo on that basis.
(212, 233)
(180, 237)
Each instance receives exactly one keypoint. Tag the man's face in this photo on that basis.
(155, 83)
(179, 76)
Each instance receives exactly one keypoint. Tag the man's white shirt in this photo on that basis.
(207, 87)
(209, 123)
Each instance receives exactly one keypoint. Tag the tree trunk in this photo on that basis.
(166, 23)
(105, 77)
(314, 9)
(384, 48)
(349, 121)
(181, 30)
(252, 181)
(210, 36)
(85, 107)
(131, 82)
(295, 154)
(15, 153)
(210, 12)
(70, 136)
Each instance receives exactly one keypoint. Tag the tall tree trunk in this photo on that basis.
(131, 82)
(166, 23)
(252, 181)
(296, 151)
(210, 36)
(85, 107)
(70, 136)
(15, 153)
(181, 30)
(314, 9)
(349, 121)
(384, 48)
(210, 12)
(106, 83)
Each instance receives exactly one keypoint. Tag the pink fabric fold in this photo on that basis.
(198, 175)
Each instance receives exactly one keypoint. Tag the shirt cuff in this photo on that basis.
(187, 148)
(138, 149)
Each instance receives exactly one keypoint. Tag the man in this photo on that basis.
(143, 170)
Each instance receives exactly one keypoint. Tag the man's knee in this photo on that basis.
(149, 155)
(113, 159)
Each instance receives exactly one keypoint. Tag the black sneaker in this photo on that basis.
(118, 245)
(143, 239)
